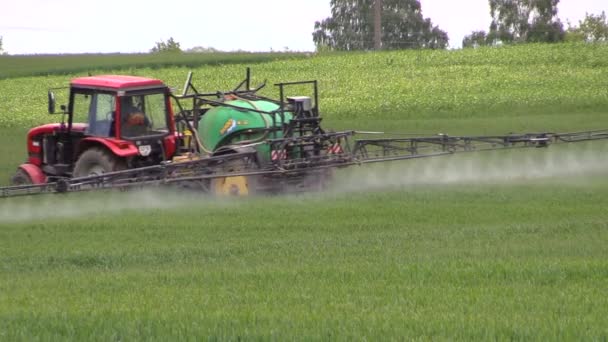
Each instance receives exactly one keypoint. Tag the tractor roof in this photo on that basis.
(116, 82)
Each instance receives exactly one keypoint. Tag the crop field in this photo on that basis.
(42, 65)
(498, 245)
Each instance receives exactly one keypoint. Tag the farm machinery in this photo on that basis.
(129, 132)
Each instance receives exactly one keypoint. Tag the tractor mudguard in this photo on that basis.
(34, 172)
(120, 148)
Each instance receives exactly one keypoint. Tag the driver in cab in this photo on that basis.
(134, 121)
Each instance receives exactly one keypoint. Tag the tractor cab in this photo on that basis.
(120, 107)
(111, 123)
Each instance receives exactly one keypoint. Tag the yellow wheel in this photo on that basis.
(235, 185)
(232, 186)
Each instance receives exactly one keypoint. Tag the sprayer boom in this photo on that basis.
(379, 150)
(198, 174)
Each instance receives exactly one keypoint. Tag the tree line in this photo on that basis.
(353, 25)
(399, 24)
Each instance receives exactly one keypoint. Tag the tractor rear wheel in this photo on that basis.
(96, 161)
(21, 178)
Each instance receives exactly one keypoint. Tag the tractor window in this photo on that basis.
(156, 109)
(96, 110)
(143, 115)
(82, 103)
(101, 115)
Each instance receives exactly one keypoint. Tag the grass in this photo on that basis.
(502, 245)
(440, 262)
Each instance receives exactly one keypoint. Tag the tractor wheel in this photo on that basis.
(21, 178)
(236, 185)
(96, 161)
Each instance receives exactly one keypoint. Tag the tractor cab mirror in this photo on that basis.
(51, 97)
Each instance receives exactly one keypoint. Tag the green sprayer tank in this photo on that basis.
(221, 126)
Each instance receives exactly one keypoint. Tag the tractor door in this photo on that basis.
(144, 116)
(145, 121)
(91, 113)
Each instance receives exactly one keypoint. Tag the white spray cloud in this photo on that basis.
(83, 204)
(569, 163)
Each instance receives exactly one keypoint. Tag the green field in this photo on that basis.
(42, 65)
(506, 245)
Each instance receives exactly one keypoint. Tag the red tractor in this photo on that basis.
(113, 123)
(121, 131)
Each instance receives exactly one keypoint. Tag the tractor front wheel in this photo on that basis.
(96, 161)
(21, 178)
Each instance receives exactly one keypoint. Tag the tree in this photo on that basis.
(169, 46)
(525, 21)
(2, 52)
(475, 39)
(351, 27)
(594, 28)
(202, 49)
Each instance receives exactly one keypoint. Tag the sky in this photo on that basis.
(77, 26)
